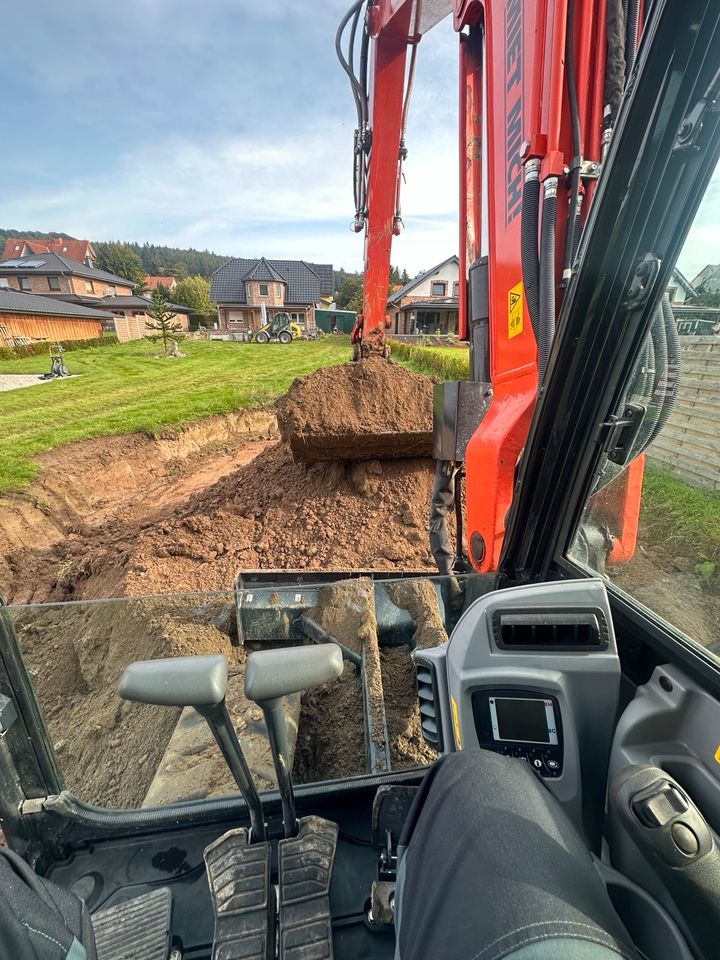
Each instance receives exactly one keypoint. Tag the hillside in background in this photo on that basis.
(168, 261)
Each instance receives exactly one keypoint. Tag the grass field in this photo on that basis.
(128, 389)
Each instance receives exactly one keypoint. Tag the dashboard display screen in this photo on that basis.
(527, 721)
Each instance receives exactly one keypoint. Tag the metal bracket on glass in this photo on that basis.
(8, 714)
(623, 431)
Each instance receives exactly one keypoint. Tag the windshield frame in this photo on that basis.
(654, 179)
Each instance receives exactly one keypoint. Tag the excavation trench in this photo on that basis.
(138, 518)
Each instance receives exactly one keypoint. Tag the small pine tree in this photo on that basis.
(163, 320)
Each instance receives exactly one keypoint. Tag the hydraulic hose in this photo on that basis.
(672, 371)
(653, 382)
(631, 35)
(360, 103)
(614, 64)
(572, 231)
(441, 504)
(529, 220)
(547, 274)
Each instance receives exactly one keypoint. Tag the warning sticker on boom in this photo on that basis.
(515, 310)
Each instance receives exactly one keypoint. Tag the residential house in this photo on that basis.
(708, 280)
(248, 293)
(53, 274)
(81, 250)
(152, 283)
(58, 277)
(679, 288)
(27, 318)
(428, 304)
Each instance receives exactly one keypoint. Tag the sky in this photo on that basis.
(218, 124)
(224, 125)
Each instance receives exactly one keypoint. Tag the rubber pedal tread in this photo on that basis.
(243, 897)
(305, 865)
(136, 930)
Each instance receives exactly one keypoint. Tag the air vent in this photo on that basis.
(430, 721)
(565, 630)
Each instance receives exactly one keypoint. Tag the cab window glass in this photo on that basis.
(671, 562)
(122, 754)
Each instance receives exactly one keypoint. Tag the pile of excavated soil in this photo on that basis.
(108, 748)
(369, 410)
(331, 740)
(271, 513)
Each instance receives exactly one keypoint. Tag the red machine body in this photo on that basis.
(514, 118)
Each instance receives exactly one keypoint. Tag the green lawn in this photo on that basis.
(127, 389)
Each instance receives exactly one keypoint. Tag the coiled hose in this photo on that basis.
(653, 382)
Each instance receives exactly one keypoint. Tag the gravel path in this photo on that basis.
(13, 381)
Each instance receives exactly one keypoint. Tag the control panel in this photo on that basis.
(521, 723)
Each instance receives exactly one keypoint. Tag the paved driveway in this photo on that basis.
(13, 381)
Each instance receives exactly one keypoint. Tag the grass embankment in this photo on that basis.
(129, 389)
(682, 519)
(447, 363)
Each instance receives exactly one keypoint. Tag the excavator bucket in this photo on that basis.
(370, 410)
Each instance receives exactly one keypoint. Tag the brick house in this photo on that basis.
(53, 274)
(81, 250)
(249, 293)
(27, 318)
(56, 276)
(428, 304)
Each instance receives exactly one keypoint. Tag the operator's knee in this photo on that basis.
(490, 855)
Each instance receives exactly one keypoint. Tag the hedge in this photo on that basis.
(432, 362)
(43, 347)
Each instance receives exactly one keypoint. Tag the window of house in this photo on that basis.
(263, 289)
(111, 290)
(89, 286)
(672, 293)
(24, 283)
(54, 283)
(438, 288)
(277, 289)
(456, 288)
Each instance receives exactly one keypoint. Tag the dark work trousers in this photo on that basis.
(490, 866)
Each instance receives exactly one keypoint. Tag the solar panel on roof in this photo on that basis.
(23, 263)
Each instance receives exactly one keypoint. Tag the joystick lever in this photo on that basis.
(273, 674)
(201, 683)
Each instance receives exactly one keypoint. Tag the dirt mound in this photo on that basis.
(358, 411)
(109, 749)
(271, 513)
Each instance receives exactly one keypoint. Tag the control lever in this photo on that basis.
(271, 675)
(672, 852)
(201, 683)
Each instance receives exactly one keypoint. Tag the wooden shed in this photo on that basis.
(26, 318)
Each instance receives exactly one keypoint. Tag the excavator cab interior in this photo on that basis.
(570, 805)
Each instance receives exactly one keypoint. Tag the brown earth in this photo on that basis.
(108, 748)
(135, 516)
(270, 513)
(369, 410)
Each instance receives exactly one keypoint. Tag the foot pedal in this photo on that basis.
(136, 930)
(305, 866)
(391, 807)
(243, 897)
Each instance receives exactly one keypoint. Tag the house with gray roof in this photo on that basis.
(249, 293)
(428, 304)
(52, 274)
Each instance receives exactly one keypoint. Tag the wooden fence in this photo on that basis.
(689, 445)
